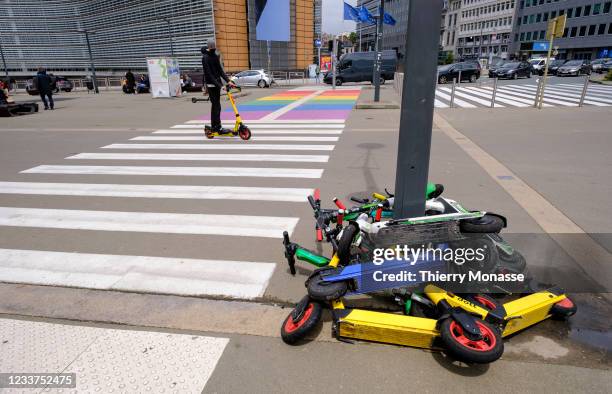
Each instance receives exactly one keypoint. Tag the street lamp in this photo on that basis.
(91, 62)
(169, 36)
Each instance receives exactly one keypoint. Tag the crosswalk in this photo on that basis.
(514, 95)
(164, 170)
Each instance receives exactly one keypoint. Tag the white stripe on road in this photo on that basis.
(271, 126)
(500, 98)
(590, 87)
(254, 138)
(547, 96)
(281, 111)
(471, 98)
(178, 171)
(157, 191)
(589, 95)
(274, 122)
(149, 222)
(259, 131)
(439, 104)
(241, 146)
(188, 277)
(531, 97)
(569, 96)
(513, 96)
(200, 157)
(457, 102)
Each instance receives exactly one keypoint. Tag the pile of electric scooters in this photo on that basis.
(468, 322)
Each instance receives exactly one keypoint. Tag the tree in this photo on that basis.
(449, 58)
(353, 37)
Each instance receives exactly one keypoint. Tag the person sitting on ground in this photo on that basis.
(214, 79)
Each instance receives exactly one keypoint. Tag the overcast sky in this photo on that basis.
(333, 12)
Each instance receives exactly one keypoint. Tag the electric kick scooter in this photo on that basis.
(240, 129)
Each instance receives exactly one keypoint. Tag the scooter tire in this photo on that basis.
(294, 331)
(461, 348)
(486, 224)
(244, 133)
(484, 301)
(563, 309)
(322, 291)
(345, 242)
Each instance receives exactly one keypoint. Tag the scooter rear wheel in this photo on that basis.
(294, 330)
(484, 300)
(563, 309)
(324, 291)
(244, 133)
(485, 350)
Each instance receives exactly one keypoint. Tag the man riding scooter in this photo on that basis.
(214, 76)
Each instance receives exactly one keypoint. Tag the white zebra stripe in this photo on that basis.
(471, 98)
(276, 122)
(498, 98)
(149, 222)
(458, 102)
(178, 171)
(270, 126)
(284, 194)
(222, 139)
(201, 157)
(259, 131)
(241, 146)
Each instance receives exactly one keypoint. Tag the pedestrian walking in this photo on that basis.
(214, 79)
(43, 83)
(130, 81)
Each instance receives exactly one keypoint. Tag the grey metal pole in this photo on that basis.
(452, 100)
(333, 63)
(459, 77)
(494, 93)
(170, 37)
(8, 79)
(537, 94)
(379, 35)
(93, 68)
(416, 119)
(269, 47)
(584, 90)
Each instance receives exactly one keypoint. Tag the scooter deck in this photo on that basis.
(529, 310)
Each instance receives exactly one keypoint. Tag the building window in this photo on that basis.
(596, 9)
(573, 31)
(582, 31)
(565, 32)
(516, 34)
(610, 28)
(569, 13)
(578, 12)
(553, 14)
(524, 19)
(592, 30)
(587, 10)
(545, 17)
(539, 18)
(561, 12)
(602, 29)
(523, 36)
(543, 34)
(606, 8)
(528, 36)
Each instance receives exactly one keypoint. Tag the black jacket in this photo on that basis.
(213, 71)
(43, 82)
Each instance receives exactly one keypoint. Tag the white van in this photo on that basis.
(537, 65)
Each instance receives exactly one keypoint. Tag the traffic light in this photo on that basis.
(339, 50)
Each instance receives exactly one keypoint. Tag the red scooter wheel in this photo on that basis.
(297, 325)
(244, 133)
(485, 350)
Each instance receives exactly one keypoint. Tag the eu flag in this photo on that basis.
(350, 13)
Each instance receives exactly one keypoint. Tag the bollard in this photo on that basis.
(494, 93)
(459, 79)
(536, 99)
(452, 100)
(584, 90)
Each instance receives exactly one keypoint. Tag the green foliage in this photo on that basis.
(449, 58)
(608, 76)
(353, 37)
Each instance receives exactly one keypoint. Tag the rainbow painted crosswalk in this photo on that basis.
(297, 104)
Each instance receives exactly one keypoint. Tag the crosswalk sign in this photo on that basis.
(555, 27)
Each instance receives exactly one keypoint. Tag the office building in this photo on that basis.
(50, 33)
(394, 37)
(484, 28)
(450, 26)
(587, 34)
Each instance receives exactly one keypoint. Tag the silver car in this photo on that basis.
(252, 78)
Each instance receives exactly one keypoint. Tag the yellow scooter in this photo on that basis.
(240, 129)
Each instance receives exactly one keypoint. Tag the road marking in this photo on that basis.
(158, 191)
(439, 104)
(259, 131)
(471, 98)
(241, 146)
(312, 125)
(188, 277)
(547, 96)
(280, 112)
(457, 102)
(590, 87)
(532, 97)
(578, 93)
(103, 359)
(200, 157)
(149, 222)
(546, 215)
(178, 171)
(500, 98)
(567, 95)
(221, 139)
(514, 96)
(275, 122)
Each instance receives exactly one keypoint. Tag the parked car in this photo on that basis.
(470, 71)
(495, 66)
(252, 78)
(359, 67)
(57, 83)
(538, 64)
(575, 67)
(554, 66)
(606, 67)
(64, 84)
(597, 64)
(514, 70)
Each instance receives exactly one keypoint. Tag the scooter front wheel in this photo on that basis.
(302, 320)
(485, 350)
(244, 133)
